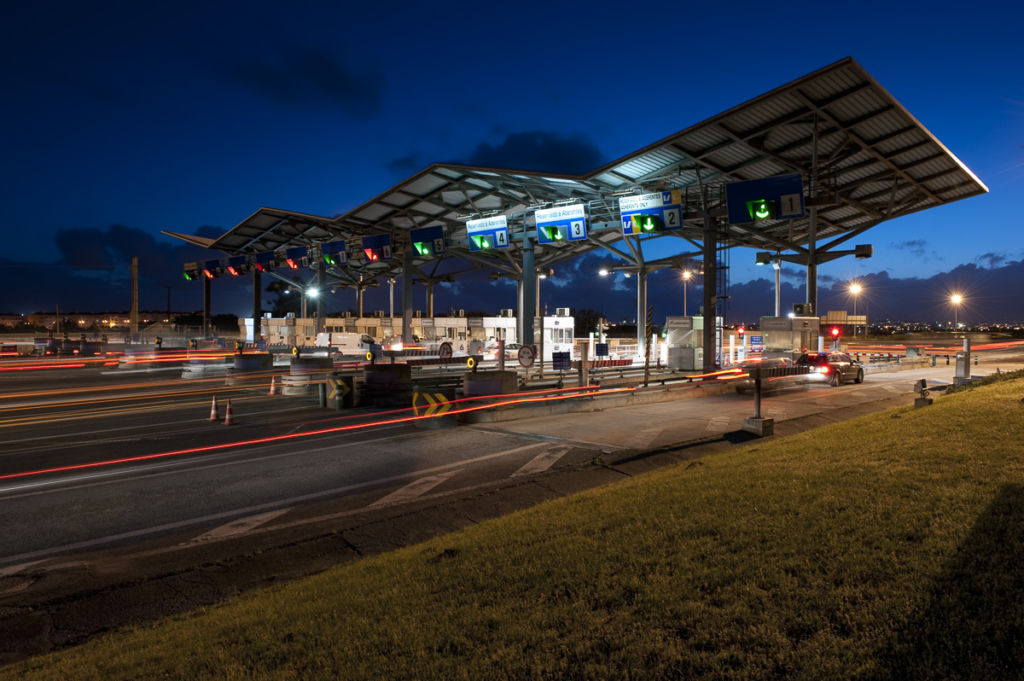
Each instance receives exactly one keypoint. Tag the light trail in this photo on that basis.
(294, 436)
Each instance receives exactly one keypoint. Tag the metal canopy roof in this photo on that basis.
(863, 157)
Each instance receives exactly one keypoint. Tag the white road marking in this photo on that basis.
(541, 462)
(416, 488)
(718, 424)
(293, 501)
(236, 528)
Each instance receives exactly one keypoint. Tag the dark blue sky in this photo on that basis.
(186, 115)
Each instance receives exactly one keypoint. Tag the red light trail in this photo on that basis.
(322, 431)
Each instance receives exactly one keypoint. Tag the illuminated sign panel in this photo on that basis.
(649, 213)
(428, 241)
(487, 233)
(377, 247)
(771, 198)
(562, 223)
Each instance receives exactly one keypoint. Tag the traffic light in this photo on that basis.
(422, 247)
(481, 242)
(371, 254)
(334, 252)
(297, 257)
(211, 269)
(191, 271)
(552, 233)
(741, 331)
(238, 265)
(647, 224)
(835, 333)
(761, 209)
(265, 261)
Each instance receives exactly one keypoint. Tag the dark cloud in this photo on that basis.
(407, 164)
(915, 246)
(540, 151)
(92, 272)
(306, 77)
(992, 259)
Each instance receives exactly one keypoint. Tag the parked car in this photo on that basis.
(832, 367)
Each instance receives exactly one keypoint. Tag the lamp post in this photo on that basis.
(687, 274)
(956, 299)
(855, 289)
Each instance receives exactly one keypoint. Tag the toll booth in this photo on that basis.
(683, 349)
(789, 336)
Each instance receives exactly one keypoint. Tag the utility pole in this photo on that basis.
(135, 298)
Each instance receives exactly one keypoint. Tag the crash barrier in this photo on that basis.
(304, 374)
(386, 385)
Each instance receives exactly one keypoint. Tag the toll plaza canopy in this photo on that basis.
(860, 156)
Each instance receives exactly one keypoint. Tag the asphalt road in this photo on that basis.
(145, 461)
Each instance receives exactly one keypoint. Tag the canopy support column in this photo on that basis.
(407, 302)
(641, 312)
(528, 299)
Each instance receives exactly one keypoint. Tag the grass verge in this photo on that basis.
(888, 547)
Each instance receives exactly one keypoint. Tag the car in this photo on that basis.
(746, 384)
(832, 367)
(512, 350)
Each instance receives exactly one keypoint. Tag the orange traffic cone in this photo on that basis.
(229, 415)
(273, 385)
(214, 414)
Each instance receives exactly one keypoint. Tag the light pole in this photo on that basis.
(687, 274)
(956, 299)
(855, 289)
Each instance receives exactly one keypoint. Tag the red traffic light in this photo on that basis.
(741, 331)
(835, 332)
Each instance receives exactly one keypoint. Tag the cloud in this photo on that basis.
(538, 150)
(92, 272)
(915, 246)
(306, 77)
(407, 164)
(992, 259)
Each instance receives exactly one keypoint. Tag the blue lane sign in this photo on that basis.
(428, 241)
(487, 233)
(649, 213)
(377, 247)
(757, 343)
(561, 361)
(562, 223)
(771, 198)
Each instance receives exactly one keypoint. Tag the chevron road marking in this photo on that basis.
(414, 489)
(541, 462)
(236, 527)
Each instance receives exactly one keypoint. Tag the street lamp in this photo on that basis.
(855, 289)
(956, 299)
(687, 275)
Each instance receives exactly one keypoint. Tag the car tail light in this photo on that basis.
(823, 369)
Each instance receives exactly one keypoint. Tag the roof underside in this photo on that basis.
(874, 162)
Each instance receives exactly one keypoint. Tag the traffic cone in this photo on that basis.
(229, 415)
(273, 385)
(214, 414)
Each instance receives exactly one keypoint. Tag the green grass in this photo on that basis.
(889, 547)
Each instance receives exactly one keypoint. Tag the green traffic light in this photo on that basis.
(189, 276)
(762, 209)
(553, 233)
(481, 241)
(421, 247)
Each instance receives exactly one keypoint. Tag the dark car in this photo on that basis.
(832, 367)
(746, 384)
